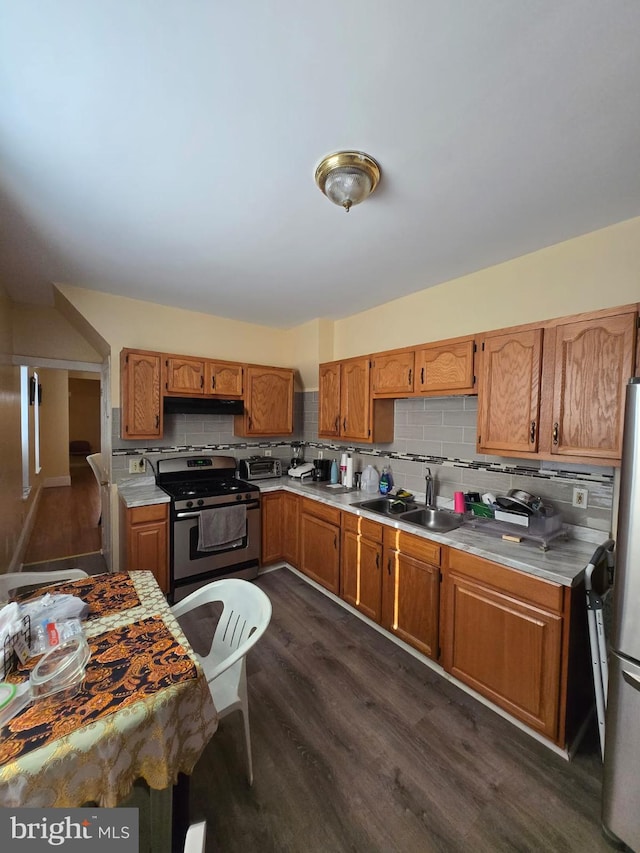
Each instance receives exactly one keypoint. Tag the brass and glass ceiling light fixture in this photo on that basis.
(347, 177)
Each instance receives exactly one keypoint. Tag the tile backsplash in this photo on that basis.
(434, 432)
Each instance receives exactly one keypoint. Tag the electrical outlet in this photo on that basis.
(267, 452)
(136, 466)
(580, 497)
(321, 454)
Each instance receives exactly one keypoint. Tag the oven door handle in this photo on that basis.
(196, 513)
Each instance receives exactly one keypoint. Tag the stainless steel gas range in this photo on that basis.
(214, 521)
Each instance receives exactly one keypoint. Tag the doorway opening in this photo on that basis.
(70, 519)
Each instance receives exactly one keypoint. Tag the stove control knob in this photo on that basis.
(239, 497)
(189, 503)
(200, 502)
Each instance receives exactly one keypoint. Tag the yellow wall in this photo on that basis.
(44, 333)
(310, 344)
(597, 270)
(54, 426)
(84, 410)
(125, 322)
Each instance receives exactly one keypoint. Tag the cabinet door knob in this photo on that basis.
(344, 425)
(377, 561)
(335, 541)
(532, 433)
(337, 424)
(213, 383)
(389, 566)
(202, 381)
(410, 375)
(157, 421)
(556, 430)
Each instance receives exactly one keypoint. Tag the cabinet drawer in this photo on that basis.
(526, 587)
(365, 527)
(413, 546)
(153, 512)
(327, 513)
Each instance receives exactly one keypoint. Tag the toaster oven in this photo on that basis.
(259, 468)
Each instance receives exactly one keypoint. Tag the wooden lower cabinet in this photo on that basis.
(319, 544)
(361, 569)
(503, 636)
(144, 541)
(290, 522)
(271, 521)
(279, 528)
(411, 590)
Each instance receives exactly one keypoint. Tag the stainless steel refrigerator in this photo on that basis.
(621, 788)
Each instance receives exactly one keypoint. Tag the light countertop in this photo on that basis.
(141, 491)
(563, 563)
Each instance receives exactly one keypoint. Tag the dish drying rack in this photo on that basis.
(542, 529)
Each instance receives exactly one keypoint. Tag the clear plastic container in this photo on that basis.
(61, 668)
(13, 698)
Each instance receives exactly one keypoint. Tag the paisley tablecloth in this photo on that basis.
(154, 738)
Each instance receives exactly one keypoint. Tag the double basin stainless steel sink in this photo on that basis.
(436, 520)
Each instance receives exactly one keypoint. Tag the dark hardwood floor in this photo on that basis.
(67, 519)
(358, 746)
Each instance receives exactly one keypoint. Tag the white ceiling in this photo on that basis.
(166, 150)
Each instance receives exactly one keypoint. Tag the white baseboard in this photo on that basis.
(52, 482)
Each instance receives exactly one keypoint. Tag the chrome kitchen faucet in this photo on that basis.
(429, 499)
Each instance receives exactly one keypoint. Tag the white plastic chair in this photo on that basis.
(195, 838)
(97, 466)
(15, 580)
(244, 619)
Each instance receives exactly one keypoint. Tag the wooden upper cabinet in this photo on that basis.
(509, 393)
(224, 379)
(329, 400)
(194, 376)
(184, 376)
(446, 368)
(558, 390)
(392, 374)
(593, 361)
(140, 394)
(355, 399)
(268, 402)
(346, 408)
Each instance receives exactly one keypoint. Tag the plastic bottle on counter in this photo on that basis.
(370, 479)
(343, 469)
(385, 485)
(334, 472)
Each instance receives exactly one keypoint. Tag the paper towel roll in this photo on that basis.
(348, 480)
(343, 468)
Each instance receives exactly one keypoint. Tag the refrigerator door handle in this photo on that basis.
(633, 680)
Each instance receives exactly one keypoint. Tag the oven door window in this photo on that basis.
(195, 554)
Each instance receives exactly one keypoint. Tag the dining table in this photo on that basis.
(143, 711)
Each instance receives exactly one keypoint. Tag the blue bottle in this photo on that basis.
(385, 482)
(334, 472)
